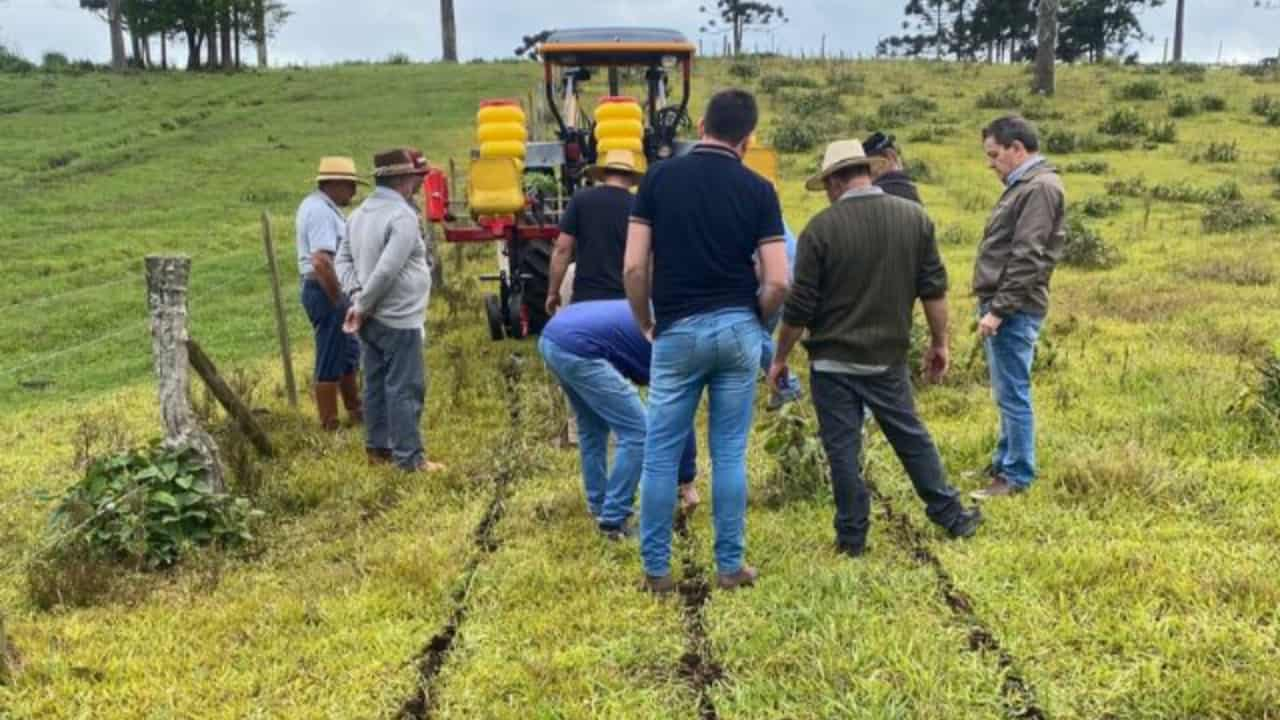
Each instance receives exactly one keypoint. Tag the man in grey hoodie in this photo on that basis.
(384, 271)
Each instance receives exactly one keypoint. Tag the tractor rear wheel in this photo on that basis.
(534, 271)
(493, 312)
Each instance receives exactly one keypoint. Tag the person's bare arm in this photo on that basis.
(561, 256)
(636, 276)
(937, 358)
(322, 268)
(773, 273)
(788, 336)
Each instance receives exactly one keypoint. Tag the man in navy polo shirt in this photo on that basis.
(596, 351)
(697, 224)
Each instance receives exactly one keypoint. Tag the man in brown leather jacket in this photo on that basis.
(1020, 247)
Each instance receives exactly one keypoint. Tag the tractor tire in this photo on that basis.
(493, 313)
(534, 270)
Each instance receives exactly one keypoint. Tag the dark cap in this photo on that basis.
(878, 143)
(400, 161)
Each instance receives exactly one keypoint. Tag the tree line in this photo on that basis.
(213, 30)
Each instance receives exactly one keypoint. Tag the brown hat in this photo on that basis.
(400, 161)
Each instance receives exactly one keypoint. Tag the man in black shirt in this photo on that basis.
(890, 177)
(594, 227)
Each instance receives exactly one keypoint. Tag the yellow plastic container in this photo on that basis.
(500, 130)
(619, 109)
(635, 145)
(619, 127)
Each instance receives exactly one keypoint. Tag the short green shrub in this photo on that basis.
(55, 62)
(1220, 152)
(1128, 187)
(1182, 106)
(918, 170)
(1085, 248)
(1060, 142)
(1273, 116)
(1164, 132)
(1275, 173)
(1145, 89)
(744, 70)
(398, 58)
(954, 235)
(1237, 215)
(1125, 121)
(1213, 103)
(1088, 167)
(794, 134)
(1262, 105)
(1097, 206)
(845, 82)
(149, 506)
(1182, 191)
(818, 106)
(775, 82)
(1259, 401)
(1190, 71)
(932, 133)
(1008, 97)
(905, 110)
(801, 470)
(13, 63)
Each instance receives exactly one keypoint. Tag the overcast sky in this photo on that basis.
(325, 31)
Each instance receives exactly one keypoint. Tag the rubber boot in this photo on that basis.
(350, 390)
(327, 404)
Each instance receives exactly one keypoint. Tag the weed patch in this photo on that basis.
(1008, 97)
(1145, 89)
(1237, 215)
(775, 82)
(1182, 106)
(1088, 167)
(1123, 122)
(1085, 248)
(1259, 402)
(1240, 273)
(1098, 206)
(905, 110)
(795, 135)
(1220, 152)
(801, 471)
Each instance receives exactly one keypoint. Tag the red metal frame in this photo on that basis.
(492, 232)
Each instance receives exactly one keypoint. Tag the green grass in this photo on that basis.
(1137, 580)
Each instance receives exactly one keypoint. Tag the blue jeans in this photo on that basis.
(395, 389)
(604, 401)
(718, 351)
(1009, 356)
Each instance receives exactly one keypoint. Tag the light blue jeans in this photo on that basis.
(720, 352)
(603, 401)
(1009, 356)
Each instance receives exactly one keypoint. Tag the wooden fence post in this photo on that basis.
(167, 301)
(227, 397)
(282, 328)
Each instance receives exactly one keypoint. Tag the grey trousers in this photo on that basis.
(839, 399)
(395, 390)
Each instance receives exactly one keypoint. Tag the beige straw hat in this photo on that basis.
(338, 168)
(840, 155)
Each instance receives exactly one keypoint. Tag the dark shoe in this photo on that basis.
(617, 533)
(664, 585)
(326, 394)
(850, 550)
(745, 577)
(350, 390)
(966, 524)
(378, 456)
(1000, 487)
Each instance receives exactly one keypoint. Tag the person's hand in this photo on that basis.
(648, 332)
(353, 322)
(777, 374)
(937, 360)
(553, 302)
(989, 325)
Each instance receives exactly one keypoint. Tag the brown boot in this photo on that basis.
(745, 577)
(350, 390)
(327, 404)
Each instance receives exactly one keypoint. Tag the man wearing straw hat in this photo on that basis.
(320, 228)
(384, 270)
(861, 265)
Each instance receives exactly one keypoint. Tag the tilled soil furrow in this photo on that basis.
(1016, 693)
(697, 667)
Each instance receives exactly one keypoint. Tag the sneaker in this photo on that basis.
(745, 577)
(966, 525)
(999, 487)
(663, 585)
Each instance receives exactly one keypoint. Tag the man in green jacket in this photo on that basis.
(1020, 247)
(860, 266)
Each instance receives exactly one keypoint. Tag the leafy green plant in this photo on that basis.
(1259, 401)
(54, 62)
(918, 169)
(1097, 206)
(744, 70)
(1124, 121)
(932, 133)
(1220, 152)
(1088, 167)
(11, 62)
(793, 134)
(801, 472)
(845, 82)
(1085, 248)
(1263, 104)
(1060, 142)
(817, 106)
(1129, 187)
(398, 58)
(149, 506)
(905, 110)
(777, 81)
(1145, 89)
(954, 235)
(1213, 103)
(1237, 215)
(1007, 97)
(1275, 173)
(1165, 132)
(1182, 106)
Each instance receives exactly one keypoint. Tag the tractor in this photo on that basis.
(518, 188)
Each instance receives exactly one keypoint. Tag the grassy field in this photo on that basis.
(1138, 580)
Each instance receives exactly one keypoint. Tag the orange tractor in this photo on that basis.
(517, 188)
